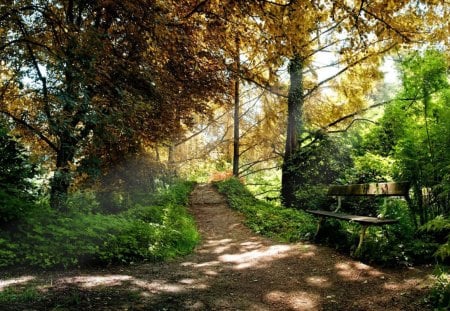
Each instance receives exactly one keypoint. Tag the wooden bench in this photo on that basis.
(400, 189)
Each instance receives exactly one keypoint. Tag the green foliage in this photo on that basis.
(23, 295)
(126, 182)
(397, 243)
(281, 223)
(16, 172)
(83, 201)
(12, 208)
(265, 185)
(422, 130)
(439, 295)
(8, 250)
(440, 227)
(371, 168)
(313, 167)
(47, 238)
(313, 197)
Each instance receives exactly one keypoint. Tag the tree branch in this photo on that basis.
(197, 9)
(350, 125)
(351, 65)
(31, 128)
(389, 26)
(260, 170)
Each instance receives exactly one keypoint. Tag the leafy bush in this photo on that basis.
(23, 295)
(313, 197)
(440, 228)
(284, 224)
(12, 207)
(395, 244)
(16, 172)
(371, 167)
(47, 238)
(439, 295)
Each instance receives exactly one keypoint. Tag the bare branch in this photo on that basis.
(350, 125)
(351, 65)
(246, 167)
(260, 170)
(201, 130)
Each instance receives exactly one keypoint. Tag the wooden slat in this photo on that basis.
(360, 219)
(371, 189)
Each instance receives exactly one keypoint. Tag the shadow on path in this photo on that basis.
(234, 269)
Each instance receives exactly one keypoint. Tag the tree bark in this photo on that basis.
(236, 113)
(294, 127)
(61, 180)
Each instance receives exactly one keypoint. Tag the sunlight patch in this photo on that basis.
(219, 242)
(255, 257)
(186, 281)
(208, 264)
(319, 281)
(15, 281)
(97, 280)
(293, 300)
(308, 254)
(159, 286)
(221, 249)
(406, 284)
(354, 271)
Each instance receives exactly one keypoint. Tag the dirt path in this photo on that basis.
(234, 269)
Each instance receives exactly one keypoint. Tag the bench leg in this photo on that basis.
(362, 235)
(319, 223)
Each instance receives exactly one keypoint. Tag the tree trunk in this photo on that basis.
(236, 113)
(61, 180)
(294, 127)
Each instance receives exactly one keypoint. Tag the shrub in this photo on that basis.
(47, 238)
(440, 228)
(16, 172)
(281, 223)
(439, 295)
(388, 245)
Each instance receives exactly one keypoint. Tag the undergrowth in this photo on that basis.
(157, 227)
(277, 222)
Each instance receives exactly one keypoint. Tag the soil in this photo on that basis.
(231, 269)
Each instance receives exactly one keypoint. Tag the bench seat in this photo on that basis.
(374, 221)
(387, 189)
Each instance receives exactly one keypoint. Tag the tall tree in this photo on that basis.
(236, 115)
(93, 76)
(355, 33)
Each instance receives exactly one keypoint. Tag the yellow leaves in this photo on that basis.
(348, 94)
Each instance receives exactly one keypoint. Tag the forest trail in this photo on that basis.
(235, 269)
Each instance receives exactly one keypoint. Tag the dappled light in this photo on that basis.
(249, 272)
(256, 258)
(404, 284)
(97, 280)
(294, 300)
(319, 281)
(15, 281)
(356, 271)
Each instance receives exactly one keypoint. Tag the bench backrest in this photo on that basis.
(371, 189)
